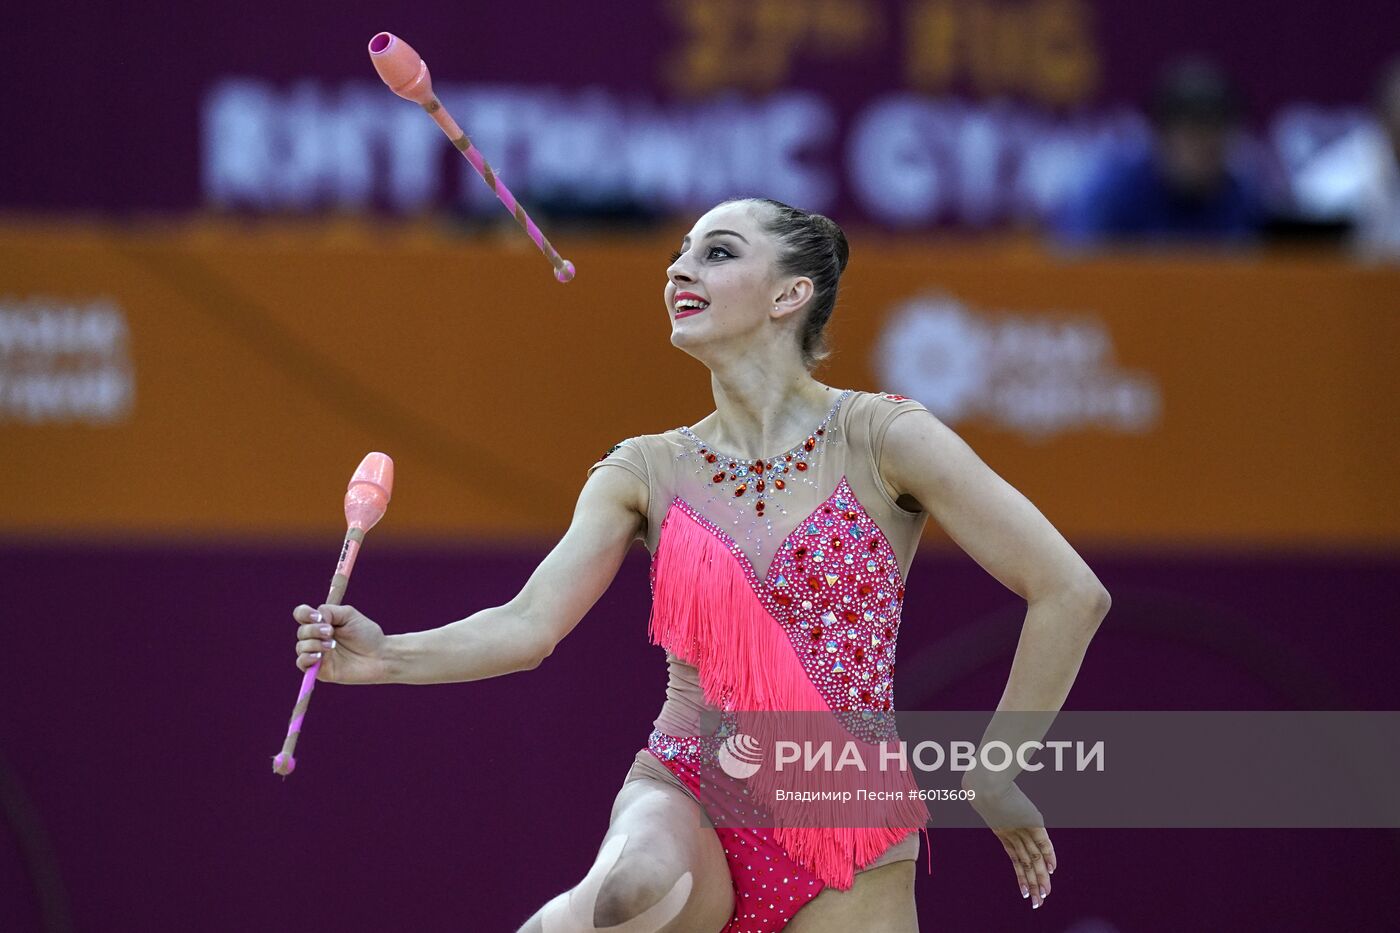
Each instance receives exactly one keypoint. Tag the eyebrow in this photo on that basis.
(733, 233)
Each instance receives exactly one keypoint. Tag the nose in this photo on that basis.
(677, 273)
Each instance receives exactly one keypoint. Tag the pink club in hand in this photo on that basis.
(365, 501)
(407, 76)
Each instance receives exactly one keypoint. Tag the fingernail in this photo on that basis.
(328, 644)
(1035, 905)
(317, 655)
(1044, 894)
(1025, 891)
(315, 616)
(324, 630)
(332, 642)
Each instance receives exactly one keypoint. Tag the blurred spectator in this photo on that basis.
(1356, 177)
(1180, 186)
(1378, 204)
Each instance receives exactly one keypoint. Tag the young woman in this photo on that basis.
(782, 527)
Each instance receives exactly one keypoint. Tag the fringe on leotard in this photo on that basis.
(706, 611)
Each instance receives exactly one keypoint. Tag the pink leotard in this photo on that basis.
(825, 559)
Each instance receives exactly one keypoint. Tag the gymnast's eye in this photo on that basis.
(721, 249)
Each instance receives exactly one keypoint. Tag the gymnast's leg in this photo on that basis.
(880, 899)
(660, 869)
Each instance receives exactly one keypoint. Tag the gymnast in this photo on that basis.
(781, 528)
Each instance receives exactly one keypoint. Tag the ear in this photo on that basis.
(793, 298)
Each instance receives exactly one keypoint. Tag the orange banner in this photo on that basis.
(212, 380)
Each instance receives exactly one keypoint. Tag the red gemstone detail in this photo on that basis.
(851, 615)
(760, 485)
(814, 582)
(758, 466)
(889, 634)
(865, 589)
(865, 696)
(816, 632)
(899, 592)
(788, 457)
(821, 431)
(801, 465)
(802, 550)
(739, 490)
(780, 484)
(874, 546)
(718, 477)
(850, 515)
(860, 654)
(836, 544)
(709, 458)
(783, 599)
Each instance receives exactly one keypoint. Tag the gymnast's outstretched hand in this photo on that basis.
(349, 644)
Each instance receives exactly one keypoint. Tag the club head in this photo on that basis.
(369, 492)
(401, 68)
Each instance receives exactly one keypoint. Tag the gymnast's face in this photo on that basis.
(720, 286)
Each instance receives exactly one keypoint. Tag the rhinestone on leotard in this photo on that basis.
(752, 483)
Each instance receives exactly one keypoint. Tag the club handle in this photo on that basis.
(284, 762)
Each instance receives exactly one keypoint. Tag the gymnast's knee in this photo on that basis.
(630, 890)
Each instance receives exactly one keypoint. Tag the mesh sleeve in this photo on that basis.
(888, 407)
(626, 454)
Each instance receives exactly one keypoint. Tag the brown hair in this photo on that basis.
(814, 246)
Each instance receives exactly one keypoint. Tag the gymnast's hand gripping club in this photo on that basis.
(365, 502)
(407, 76)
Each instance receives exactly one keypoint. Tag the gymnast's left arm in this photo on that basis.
(1008, 536)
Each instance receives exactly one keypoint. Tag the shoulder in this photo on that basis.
(903, 430)
(643, 454)
(872, 413)
(631, 483)
(629, 451)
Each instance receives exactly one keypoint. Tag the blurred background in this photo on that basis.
(1144, 258)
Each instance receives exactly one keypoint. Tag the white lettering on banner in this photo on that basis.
(921, 761)
(905, 160)
(909, 160)
(1059, 746)
(62, 361)
(310, 146)
(1038, 374)
(894, 172)
(913, 161)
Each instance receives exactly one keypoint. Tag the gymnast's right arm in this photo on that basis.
(516, 636)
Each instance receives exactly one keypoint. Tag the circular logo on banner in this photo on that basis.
(934, 347)
(740, 756)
